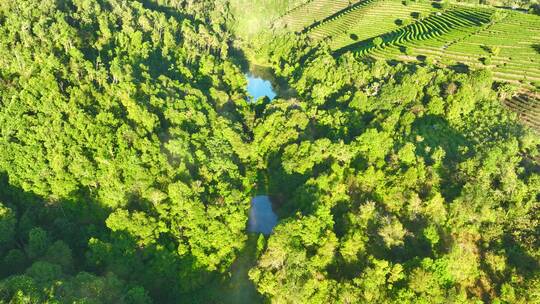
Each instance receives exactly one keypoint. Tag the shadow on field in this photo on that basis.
(536, 47)
(459, 67)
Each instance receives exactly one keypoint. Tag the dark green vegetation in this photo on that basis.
(128, 155)
(126, 121)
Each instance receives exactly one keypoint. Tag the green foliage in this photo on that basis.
(392, 233)
(432, 235)
(377, 41)
(7, 226)
(414, 209)
(38, 242)
(50, 278)
(132, 110)
(130, 155)
(444, 5)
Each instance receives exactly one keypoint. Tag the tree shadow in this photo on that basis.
(239, 58)
(536, 47)
(460, 68)
(525, 264)
(169, 12)
(436, 132)
(96, 249)
(437, 5)
(235, 286)
(68, 216)
(282, 187)
(486, 48)
(404, 50)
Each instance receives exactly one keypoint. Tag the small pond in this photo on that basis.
(262, 218)
(262, 82)
(258, 87)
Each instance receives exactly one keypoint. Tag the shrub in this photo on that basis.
(506, 90)
(405, 50)
(535, 9)
(495, 50)
(440, 5)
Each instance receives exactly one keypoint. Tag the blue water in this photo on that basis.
(258, 87)
(262, 218)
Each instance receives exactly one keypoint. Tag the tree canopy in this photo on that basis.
(130, 153)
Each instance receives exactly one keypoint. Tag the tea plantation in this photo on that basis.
(456, 35)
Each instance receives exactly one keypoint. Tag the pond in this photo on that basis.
(258, 87)
(262, 218)
(262, 82)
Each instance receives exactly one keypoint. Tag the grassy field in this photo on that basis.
(252, 16)
(452, 35)
(310, 13)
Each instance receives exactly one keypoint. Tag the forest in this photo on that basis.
(130, 152)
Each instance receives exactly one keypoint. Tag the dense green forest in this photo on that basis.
(129, 154)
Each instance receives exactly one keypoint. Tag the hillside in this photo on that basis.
(249, 17)
(458, 36)
(289, 151)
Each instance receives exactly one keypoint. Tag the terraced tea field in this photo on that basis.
(447, 25)
(507, 47)
(527, 108)
(463, 36)
(365, 21)
(505, 41)
(310, 13)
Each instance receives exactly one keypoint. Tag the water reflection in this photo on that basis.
(263, 82)
(262, 218)
(258, 87)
